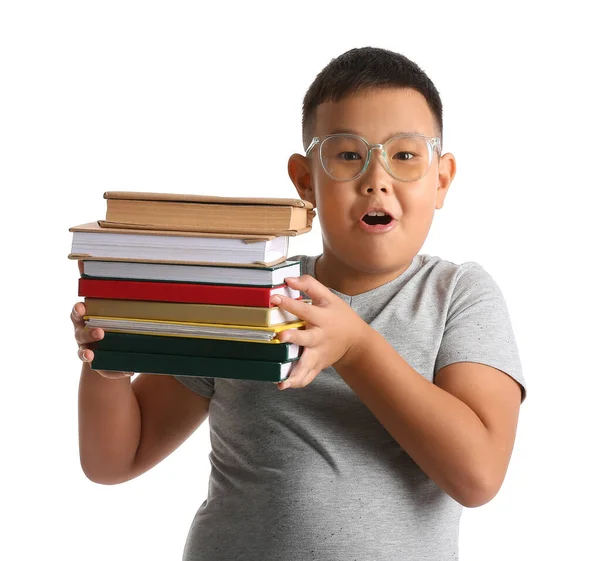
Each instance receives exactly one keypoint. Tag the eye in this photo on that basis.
(403, 156)
(349, 156)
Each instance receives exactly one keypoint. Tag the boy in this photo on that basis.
(403, 407)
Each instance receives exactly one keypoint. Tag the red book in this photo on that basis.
(226, 294)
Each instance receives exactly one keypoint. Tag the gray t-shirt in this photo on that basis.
(310, 473)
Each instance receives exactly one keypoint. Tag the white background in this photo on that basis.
(206, 98)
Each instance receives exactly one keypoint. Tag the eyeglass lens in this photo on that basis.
(408, 158)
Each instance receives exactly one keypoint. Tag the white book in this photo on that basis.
(207, 274)
(92, 241)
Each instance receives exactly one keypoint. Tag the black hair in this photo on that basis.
(363, 69)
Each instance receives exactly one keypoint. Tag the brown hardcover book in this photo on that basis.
(165, 211)
(184, 312)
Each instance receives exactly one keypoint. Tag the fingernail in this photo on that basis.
(75, 313)
(276, 300)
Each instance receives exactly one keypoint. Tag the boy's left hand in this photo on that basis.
(333, 329)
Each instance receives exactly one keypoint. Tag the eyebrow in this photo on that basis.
(350, 131)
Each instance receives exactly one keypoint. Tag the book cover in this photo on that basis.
(207, 214)
(213, 274)
(91, 241)
(233, 295)
(179, 365)
(193, 198)
(184, 312)
(193, 346)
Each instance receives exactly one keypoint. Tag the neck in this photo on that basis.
(336, 274)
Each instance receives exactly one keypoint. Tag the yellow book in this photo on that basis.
(190, 329)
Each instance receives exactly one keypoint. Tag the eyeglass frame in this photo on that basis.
(433, 142)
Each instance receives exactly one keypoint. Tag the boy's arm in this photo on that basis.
(460, 431)
(126, 428)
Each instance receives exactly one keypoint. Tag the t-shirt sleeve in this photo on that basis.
(478, 326)
(201, 385)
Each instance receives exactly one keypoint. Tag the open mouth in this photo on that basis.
(376, 218)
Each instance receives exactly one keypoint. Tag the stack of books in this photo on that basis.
(181, 284)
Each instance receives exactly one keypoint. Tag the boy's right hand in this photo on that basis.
(85, 336)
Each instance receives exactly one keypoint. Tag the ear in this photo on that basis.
(299, 172)
(446, 173)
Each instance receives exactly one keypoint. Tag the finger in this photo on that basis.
(291, 379)
(83, 336)
(317, 292)
(85, 355)
(297, 307)
(302, 374)
(309, 377)
(77, 313)
(302, 337)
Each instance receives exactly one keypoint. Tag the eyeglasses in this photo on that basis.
(407, 157)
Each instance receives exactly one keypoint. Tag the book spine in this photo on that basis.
(179, 292)
(187, 366)
(215, 348)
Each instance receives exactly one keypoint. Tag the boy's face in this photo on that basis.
(376, 116)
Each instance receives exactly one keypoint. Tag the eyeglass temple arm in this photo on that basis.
(312, 144)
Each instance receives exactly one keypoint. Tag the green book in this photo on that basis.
(193, 346)
(180, 365)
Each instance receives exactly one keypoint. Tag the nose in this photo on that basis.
(376, 177)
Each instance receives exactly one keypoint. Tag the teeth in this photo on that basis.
(373, 213)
